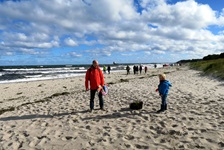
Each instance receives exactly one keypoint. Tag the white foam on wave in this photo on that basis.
(33, 76)
(46, 70)
(38, 74)
(36, 78)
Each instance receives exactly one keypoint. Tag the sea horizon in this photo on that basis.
(27, 73)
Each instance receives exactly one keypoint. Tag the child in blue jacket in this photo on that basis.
(163, 89)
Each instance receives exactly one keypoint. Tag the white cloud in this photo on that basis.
(221, 18)
(124, 54)
(187, 14)
(110, 26)
(74, 54)
(29, 51)
(9, 53)
(22, 36)
(70, 42)
(148, 53)
(158, 52)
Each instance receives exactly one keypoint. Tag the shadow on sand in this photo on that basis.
(36, 116)
(123, 112)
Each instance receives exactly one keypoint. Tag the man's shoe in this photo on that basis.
(102, 109)
(159, 111)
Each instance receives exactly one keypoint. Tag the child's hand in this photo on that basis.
(157, 90)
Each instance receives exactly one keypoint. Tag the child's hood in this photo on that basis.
(166, 82)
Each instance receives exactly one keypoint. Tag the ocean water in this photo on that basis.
(12, 74)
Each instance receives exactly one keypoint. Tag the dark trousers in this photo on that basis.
(164, 100)
(92, 96)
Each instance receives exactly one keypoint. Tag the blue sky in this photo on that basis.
(42, 32)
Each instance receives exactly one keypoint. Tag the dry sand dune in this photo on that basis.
(54, 114)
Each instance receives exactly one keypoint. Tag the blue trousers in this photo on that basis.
(92, 96)
(164, 100)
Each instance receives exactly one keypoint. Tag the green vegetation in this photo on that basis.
(214, 67)
(209, 57)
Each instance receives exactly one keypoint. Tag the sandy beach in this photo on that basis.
(54, 114)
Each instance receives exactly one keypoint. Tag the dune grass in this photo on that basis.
(214, 67)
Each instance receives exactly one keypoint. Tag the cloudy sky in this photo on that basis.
(40, 32)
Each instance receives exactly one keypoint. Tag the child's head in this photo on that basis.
(162, 77)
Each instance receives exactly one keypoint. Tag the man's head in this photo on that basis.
(95, 63)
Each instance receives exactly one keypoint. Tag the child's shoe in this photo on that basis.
(162, 109)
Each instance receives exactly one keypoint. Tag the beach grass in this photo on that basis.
(214, 67)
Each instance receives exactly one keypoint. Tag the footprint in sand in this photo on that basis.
(129, 137)
(221, 144)
(106, 134)
(67, 138)
(107, 128)
(141, 146)
(34, 142)
(175, 132)
(175, 125)
(101, 140)
(43, 141)
(91, 143)
(127, 145)
(190, 118)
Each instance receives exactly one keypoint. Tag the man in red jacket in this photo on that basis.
(95, 77)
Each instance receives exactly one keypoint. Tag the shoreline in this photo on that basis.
(54, 114)
(21, 74)
(32, 91)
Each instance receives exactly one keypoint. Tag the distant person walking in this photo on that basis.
(155, 66)
(134, 69)
(104, 69)
(140, 69)
(128, 69)
(108, 69)
(146, 69)
(94, 77)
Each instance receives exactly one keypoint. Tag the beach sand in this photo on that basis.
(54, 114)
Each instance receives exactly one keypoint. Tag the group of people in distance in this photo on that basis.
(136, 69)
(94, 81)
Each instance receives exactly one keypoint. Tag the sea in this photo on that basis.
(13, 74)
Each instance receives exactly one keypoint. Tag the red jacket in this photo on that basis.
(95, 76)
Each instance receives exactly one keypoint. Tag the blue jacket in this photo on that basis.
(163, 87)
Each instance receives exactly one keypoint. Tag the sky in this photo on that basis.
(52, 32)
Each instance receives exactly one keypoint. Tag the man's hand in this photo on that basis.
(87, 89)
(99, 88)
